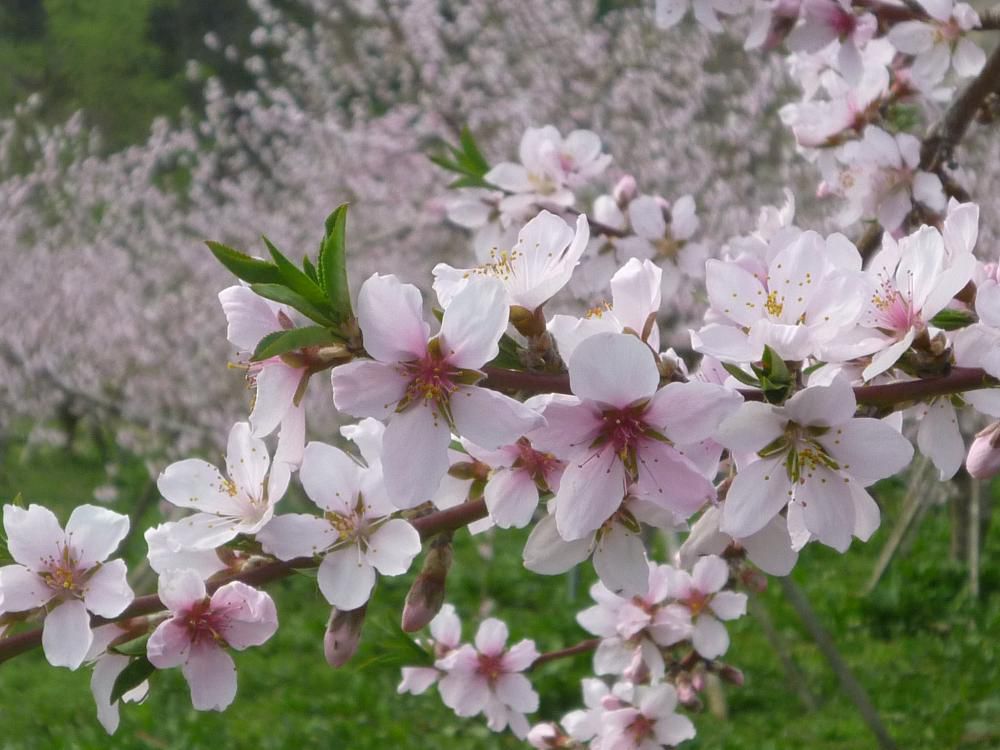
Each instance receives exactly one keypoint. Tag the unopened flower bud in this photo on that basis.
(544, 736)
(343, 634)
(731, 674)
(983, 460)
(426, 595)
(625, 190)
(753, 580)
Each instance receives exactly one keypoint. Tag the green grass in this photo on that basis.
(925, 652)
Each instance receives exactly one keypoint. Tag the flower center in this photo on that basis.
(696, 601)
(623, 427)
(773, 305)
(642, 727)
(431, 379)
(205, 624)
(502, 264)
(491, 667)
(538, 464)
(63, 573)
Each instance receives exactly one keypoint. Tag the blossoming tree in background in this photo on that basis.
(820, 355)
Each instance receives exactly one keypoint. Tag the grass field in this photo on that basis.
(926, 653)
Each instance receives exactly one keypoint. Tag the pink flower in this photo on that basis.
(425, 386)
(446, 635)
(650, 723)
(355, 534)
(202, 628)
(488, 679)
(622, 428)
(700, 593)
(65, 572)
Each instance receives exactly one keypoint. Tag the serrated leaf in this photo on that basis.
(952, 320)
(281, 342)
(740, 375)
(251, 270)
(138, 671)
(333, 264)
(286, 296)
(296, 279)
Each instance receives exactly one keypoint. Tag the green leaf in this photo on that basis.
(333, 264)
(281, 342)
(252, 270)
(297, 280)
(137, 671)
(469, 181)
(135, 647)
(284, 295)
(471, 149)
(744, 377)
(951, 320)
(775, 367)
(310, 270)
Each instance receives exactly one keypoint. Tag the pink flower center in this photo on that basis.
(491, 667)
(623, 428)
(641, 728)
(537, 464)
(696, 601)
(842, 22)
(431, 379)
(205, 624)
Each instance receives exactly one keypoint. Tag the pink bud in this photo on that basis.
(544, 736)
(625, 190)
(343, 634)
(731, 674)
(426, 595)
(983, 460)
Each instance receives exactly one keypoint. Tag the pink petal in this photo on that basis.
(247, 460)
(620, 561)
(691, 412)
(710, 574)
(415, 455)
(22, 589)
(277, 384)
(491, 419)
(591, 489)
(366, 388)
(614, 369)
(169, 644)
(464, 693)
(473, 323)
(250, 317)
(520, 656)
(515, 691)
(757, 494)
(211, 675)
(330, 477)
(390, 314)
(179, 589)
(511, 498)
(709, 638)
(392, 547)
(193, 483)
(297, 535)
(491, 638)
(729, 605)
(251, 617)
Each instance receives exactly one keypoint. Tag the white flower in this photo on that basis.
(670, 12)
(940, 41)
(108, 665)
(770, 549)
(814, 457)
(66, 572)
(446, 636)
(226, 507)
(354, 535)
(538, 265)
(279, 384)
(827, 22)
(915, 279)
(651, 723)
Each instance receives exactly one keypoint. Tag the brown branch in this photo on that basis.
(500, 379)
(946, 135)
(429, 525)
(580, 648)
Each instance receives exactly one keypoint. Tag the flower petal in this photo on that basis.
(94, 533)
(294, 535)
(33, 535)
(107, 592)
(390, 314)
(491, 419)
(758, 493)
(392, 547)
(330, 477)
(491, 638)
(179, 589)
(511, 498)
(709, 637)
(591, 489)
(211, 675)
(620, 561)
(366, 388)
(473, 323)
(614, 369)
(66, 635)
(415, 455)
(277, 384)
(346, 578)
